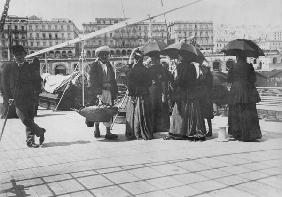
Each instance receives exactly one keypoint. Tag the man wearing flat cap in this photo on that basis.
(20, 82)
(103, 86)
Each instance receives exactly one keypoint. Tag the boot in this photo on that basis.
(97, 131)
(109, 135)
(42, 137)
(31, 144)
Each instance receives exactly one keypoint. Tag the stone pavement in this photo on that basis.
(73, 163)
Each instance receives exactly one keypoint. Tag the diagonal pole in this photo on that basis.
(5, 121)
(111, 28)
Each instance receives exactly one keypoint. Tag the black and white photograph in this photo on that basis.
(151, 98)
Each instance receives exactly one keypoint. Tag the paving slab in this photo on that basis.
(74, 163)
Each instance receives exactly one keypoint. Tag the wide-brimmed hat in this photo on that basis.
(102, 49)
(17, 49)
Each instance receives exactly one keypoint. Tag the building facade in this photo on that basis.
(123, 40)
(46, 33)
(201, 32)
(36, 34)
(15, 32)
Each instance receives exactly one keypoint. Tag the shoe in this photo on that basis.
(42, 137)
(97, 131)
(110, 136)
(32, 145)
(209, 134)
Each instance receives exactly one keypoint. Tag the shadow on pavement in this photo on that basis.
(16, 190)
(52, 144)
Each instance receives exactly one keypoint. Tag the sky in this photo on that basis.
(236, 12)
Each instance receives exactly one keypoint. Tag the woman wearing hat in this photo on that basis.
(158, 94)
(242, 116)
(138, 109)
(187, 121)
(103, 86)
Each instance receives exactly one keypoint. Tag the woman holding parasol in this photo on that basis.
(243, 117)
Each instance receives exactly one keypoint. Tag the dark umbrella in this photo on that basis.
(153, 48)
(181, 48)
(243, 47)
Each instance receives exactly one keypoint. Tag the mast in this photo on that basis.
(82, 56)
(2, 23)
(4, 15)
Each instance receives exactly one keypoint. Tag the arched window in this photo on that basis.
(117, 52)
(60, 70)
(57, 54)
(64, 54)
(88, 54)
(112, 52)
(93, 53)
(123, 52)
(128, 52)
(216, 65)
(70, 54)
(51, 54)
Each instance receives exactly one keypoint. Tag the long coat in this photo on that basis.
(20, 83)
(242, 116)
(243, 78)
(96, 80)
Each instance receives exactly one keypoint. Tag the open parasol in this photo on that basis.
(181, 48)
(153, 48)
(243, 47)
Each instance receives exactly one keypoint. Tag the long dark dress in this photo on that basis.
(138, 108)
(186, 121)
(242, 117)
(205, 86)
(160, 110)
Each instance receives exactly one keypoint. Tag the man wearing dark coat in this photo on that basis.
(19, 82)
(103, 86)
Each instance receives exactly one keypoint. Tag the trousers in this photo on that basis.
(26, 115)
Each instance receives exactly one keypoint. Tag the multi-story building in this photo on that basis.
(201, 32)
(46, 33)
(225, 33)
(36, 34)
(15, 32)
(123, 40)
(273, 40)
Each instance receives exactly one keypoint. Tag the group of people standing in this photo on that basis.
(150, 96)
(192, 99)
(153, 106)
(148, 109)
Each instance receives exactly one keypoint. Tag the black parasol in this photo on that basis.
(243, 47)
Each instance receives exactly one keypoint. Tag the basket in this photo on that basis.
(98, 113)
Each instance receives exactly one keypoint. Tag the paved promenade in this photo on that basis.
(74, 163)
